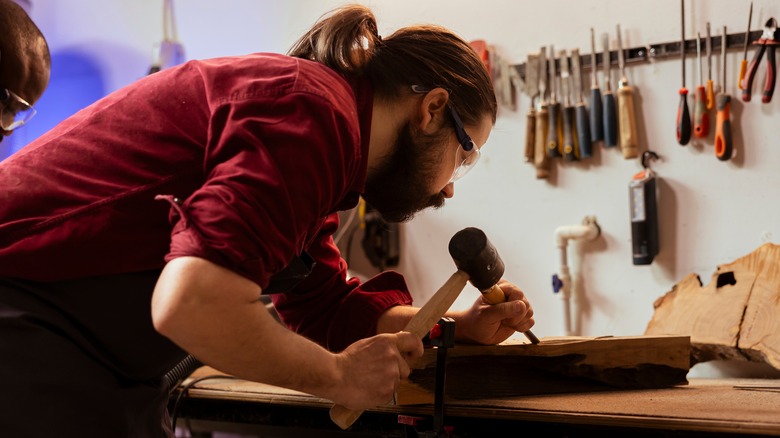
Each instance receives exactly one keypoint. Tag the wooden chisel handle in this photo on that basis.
(530, 130)
(554, 130)
(541, 161)
(627, 122)
(419, 325)
(495, 295)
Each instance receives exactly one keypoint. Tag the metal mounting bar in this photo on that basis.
(637, 55)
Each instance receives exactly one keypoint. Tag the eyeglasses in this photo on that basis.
(15, 111)
(466, 143)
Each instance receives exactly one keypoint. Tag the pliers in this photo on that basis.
(766, 43)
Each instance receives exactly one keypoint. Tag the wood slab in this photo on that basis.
(735, 316)
(555, 365)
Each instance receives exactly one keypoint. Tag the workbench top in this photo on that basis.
(744, 406)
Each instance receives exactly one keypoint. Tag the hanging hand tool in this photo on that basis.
(541, 161)
(766, 43)
(683, 116)
(570, 149)
(743, 65)
(710, 89)
(583, 128)
(629, 142)
(596, 122)
(610, 111)
(555, 128)
(532, 89)
(644, 213)
(723, 145)
(701, 120)
(479, 263)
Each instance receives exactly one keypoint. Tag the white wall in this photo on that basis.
(711, 212)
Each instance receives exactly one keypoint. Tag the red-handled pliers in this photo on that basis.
(767, 44)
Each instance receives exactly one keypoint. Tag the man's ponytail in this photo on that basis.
(344, 41)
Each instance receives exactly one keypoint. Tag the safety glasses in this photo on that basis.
(471, 154)
(15, 111)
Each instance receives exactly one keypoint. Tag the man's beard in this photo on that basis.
(400, 186)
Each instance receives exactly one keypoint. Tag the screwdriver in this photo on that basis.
(555, 128)
(627, 115)
(683, 116)
(583, 129)
(596, 123)
(743, 65)
(701, 120)
(570, 149)
(723, 140)
(610, 115)
(710, 89)
(541, 162)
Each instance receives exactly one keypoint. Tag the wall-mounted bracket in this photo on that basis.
(653, 52)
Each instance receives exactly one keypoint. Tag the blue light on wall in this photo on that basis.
(76, 82)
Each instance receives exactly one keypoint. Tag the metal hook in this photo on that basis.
(648, 155)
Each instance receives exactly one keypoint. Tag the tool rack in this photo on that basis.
(642, 54)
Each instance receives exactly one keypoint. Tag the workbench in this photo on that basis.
(704, 407)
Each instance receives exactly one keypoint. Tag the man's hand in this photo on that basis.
(372, 369)
(490, 324)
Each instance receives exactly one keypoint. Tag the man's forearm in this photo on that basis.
(214, 315)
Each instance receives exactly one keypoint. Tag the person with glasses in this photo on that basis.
(25, 67)
(145, 227)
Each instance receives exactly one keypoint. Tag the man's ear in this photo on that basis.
(433, 109)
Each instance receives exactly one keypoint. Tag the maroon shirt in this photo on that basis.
(254, 156)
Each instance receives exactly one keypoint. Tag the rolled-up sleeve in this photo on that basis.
(271, 176)
(333, 310)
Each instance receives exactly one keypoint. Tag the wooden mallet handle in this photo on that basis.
(419, 325)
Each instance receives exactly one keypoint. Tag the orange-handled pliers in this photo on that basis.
(767, 44)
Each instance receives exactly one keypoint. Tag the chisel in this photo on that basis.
(532, 89)
(596, 122)
(629, 143)
(610, 111)
(555, 127)
(701, 120)
(541, 162)
(683, 116)
(583, 127)
(570, 152)
(723, 138)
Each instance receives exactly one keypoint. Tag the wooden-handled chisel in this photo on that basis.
(555, 127)
(629, 141)
(532, 90)
(541, 161)
(570, 149)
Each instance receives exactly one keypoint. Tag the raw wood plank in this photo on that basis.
(556, 365)
(734, 317)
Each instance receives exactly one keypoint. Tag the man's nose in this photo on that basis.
(449, 190)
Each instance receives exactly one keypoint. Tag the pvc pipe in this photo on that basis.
(588, 230)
